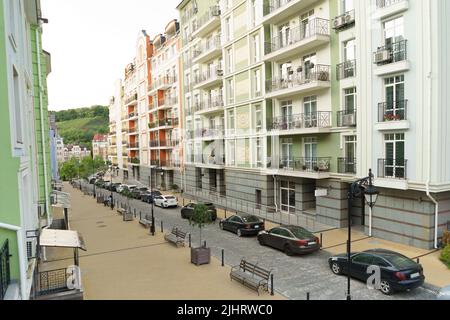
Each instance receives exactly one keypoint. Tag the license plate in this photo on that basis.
(311, 243)
(256, 227)
(415, 275)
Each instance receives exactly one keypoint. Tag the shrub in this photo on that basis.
(446, 238)
(175, 187)
(445, 256)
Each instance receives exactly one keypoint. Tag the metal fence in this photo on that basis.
(5, 277)
(54, 281)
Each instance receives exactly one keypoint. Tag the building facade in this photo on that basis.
(100, 146)
(25, 156)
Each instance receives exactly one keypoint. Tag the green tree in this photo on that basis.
(70, 169)
(200, 218)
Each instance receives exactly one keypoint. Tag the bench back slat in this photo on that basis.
(180, 234)
(255, 269)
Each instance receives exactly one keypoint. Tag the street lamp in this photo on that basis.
(357, 188)
(112, 179)
(93, 172)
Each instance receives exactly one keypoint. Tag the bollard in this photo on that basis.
(204, 244)
(162, 227)
(225, 213)
(223, 257)
(272, 292)
(190, 241)
(321, 240)
(307, 296)
(135, 212)
(418, 260)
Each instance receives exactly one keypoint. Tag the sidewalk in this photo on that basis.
(124, 262)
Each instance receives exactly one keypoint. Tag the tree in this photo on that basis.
(200, 218)
(70, 169)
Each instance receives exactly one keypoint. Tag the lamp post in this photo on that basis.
(112, 194)
(361, 187)
(93, 172)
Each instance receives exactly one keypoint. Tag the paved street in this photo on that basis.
(294, 276)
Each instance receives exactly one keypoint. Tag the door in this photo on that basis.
(395, 98)
(395, 166)
(274, 238)
(284, 33)
(307, 28)
(286, 115)
(287, 159)
(310, 111)
(310, 153)
(309, 64)
(360, 263)
(350, 154)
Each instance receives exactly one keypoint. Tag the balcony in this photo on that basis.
(316, 78)
(392, 168)
(347, 166)
(210, 161)
(344, 21)
(131, 99)
(133, 145)
(387, 8)
(164, 104)
(132, 131)
(171, 101)
(210, 78)
(213, 133)
(393, 116)
(304, 123)
(207, 23)
(346, 70)
(275, 11)
(132, 116)
(313, 168)
(210, 106)
(391, 58)
(346, 118)
(212, 49)
(162, 83)
(298, 40)
(134, 161)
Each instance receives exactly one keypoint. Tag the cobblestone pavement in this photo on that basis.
(294, 277)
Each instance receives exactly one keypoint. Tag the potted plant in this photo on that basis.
(200, 218)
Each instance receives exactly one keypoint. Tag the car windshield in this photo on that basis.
(250, 219)
(399, 261)
(300, 232)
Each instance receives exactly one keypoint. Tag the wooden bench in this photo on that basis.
(251, 275)
(121, 211)
(177, 237)
(146, 221)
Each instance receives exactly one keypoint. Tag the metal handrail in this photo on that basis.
(346, 70)
(320, 119)
(393, 111)
(392, 168)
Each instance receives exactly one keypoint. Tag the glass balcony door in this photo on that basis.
(287, 196)
(395, 97)
(395, 155)
(287, 155)
(310, 111)
(310, 145)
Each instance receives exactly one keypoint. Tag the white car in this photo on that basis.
(166, 201)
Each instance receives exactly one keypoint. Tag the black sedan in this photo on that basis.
(188, 210)
(398, 273)
(242, 224)
(290, 239)
(149, 196)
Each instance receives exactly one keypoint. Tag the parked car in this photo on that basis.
(136, 193)
(149, 196)
(290, 239)
(101, 184)
(398, 273)
(114, 187)
(166, 201)
(242, 224)
(188, 210)
(92, 180)
(444, 294)
(120, 188)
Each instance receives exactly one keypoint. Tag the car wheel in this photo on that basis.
(262, 242)
(336, 268)
(239, 233)
(385, 287)
(288, 250)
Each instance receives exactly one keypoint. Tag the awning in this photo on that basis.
(61, 239)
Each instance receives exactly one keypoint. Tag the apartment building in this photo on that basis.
(75, 151)
(316, 93)
(163, 169)
(100, 146)
(25, 155)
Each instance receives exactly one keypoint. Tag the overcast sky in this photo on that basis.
(91, 42)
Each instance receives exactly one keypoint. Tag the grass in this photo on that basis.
(82, 130)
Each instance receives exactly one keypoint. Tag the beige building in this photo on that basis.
(100, 146)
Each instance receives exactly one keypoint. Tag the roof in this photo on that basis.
(61, 239)
(100, 138)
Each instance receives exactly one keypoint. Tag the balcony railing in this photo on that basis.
(346, 118)
(346, 70)
(134, 160)
(317, 73)
(306, 164)
(213, 12)
(215, 74)
(318, 26)
(392, 168)
(390, 53)
(274, 5)
(387, 3)
(320, 119)
(132, 130)
(217, 131)
(163, 81)
(133, 145)
(131, 98)
(393, 111)
(347, 165)
(51, 282)
(5, 276)
(214, 103)
(132, 115)
(218, 160)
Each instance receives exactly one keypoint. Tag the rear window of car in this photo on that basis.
(250, 219)
(170, 197)
(399, 261)
(300, 233)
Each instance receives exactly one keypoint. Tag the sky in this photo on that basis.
(91, 42)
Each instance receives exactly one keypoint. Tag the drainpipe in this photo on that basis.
(44, 150)
(275, 190)
(21, 253)
(430, 82)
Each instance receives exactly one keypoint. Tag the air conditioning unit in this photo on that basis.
(31, 249)
(382, 56)
(219, 72)
(349, 18)
(339, 22)
(348, 120)
(215, 11)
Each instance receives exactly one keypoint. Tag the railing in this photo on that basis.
(344, 20)
(132, 130)
(392, 111)
(218, 160)
(387, 3)
(54, 281)
(346, 70)
(131, 98)
(163, 81)
(317, 73)
(391, 53)
(305, 164)
(5, 275)
(318, 26)
(274, 5)
(215, 132)
(165, 122)
(134, 160)
(346, 118)
(134, 145)
(392, 168)
(161, 102)
(132, 115)
(212, 13)
(320, 119)
(210, 104)
(215, 74)
(347, 165)
(172, 100)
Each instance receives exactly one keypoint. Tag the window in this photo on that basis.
(258, 198)
(228, 29)
(347, 5)
(253, 13)
(363, 258)
(394, 30)
(284, 33)
(310, 111)
(258, 118)
(349, 163)
(287, 154)
(287, 196)
(286, 114)
(307, 29)
(309, 63)
(17, 108)
(349, 59)
(230, 60)
(394, 162)
(257, 83)
(230, 91)
(259, 152)
(350, 99)
(395, 106)
(232, 153)
(310, 148)
(256, 48)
